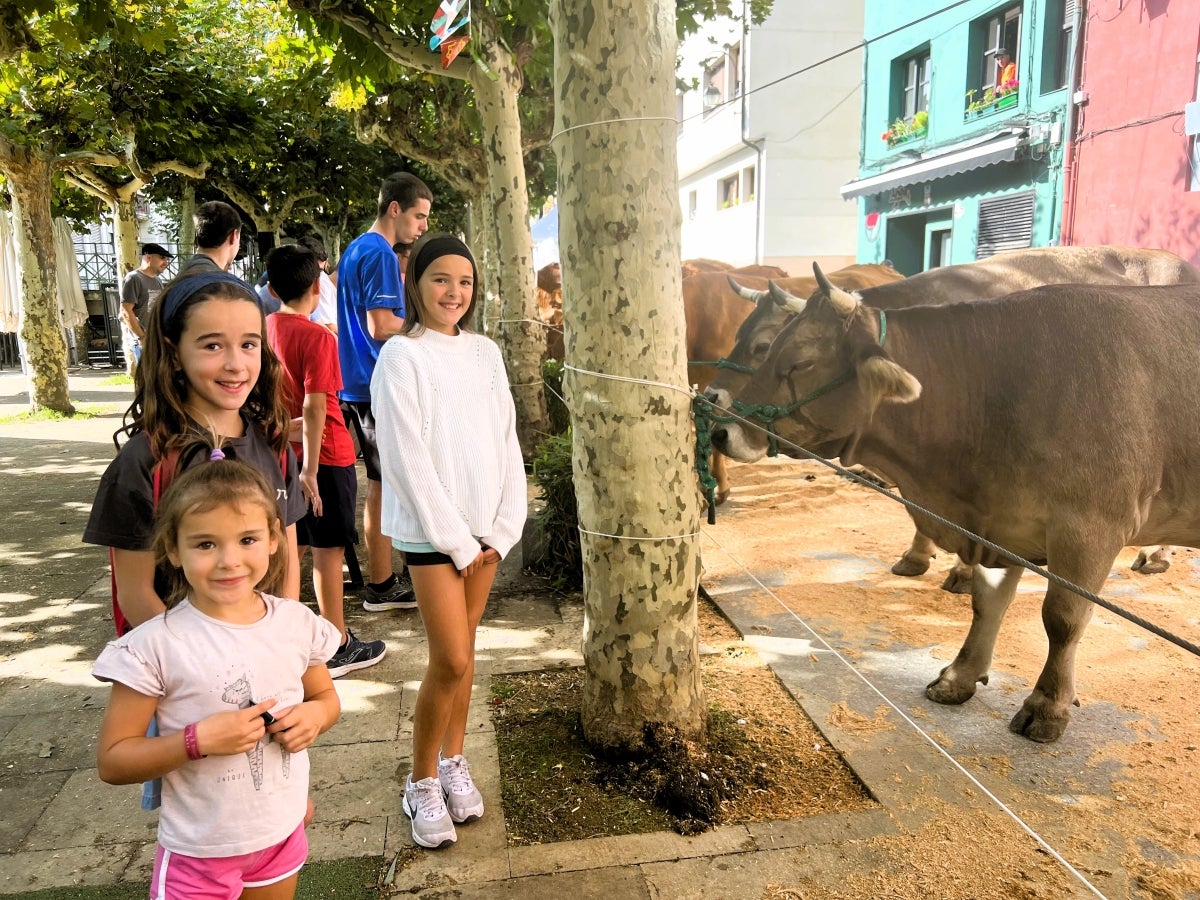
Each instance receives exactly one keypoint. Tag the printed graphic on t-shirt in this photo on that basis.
(239, 694)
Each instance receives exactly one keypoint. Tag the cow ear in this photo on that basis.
(884, 381)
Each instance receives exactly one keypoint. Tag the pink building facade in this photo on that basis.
(1132, 165)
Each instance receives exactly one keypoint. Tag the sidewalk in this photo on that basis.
(62, 827)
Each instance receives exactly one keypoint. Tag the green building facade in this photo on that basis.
(961, 156)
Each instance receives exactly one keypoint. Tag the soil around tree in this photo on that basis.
(764, 759)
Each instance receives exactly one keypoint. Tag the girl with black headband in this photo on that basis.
(454, 500)
(206, 372)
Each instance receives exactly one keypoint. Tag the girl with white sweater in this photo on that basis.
(454, 500)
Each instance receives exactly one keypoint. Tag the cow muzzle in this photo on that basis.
(739, 442)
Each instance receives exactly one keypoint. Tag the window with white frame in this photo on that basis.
(916, 85)
(727, 192)
(748, 186)
(1002, 31)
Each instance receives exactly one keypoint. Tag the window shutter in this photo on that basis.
(1069, 12)
(1005, 223)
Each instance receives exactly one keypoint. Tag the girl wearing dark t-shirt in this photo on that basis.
(206, 368)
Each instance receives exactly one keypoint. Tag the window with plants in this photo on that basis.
(913, 121)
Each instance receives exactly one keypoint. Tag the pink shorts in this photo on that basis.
(179, 877)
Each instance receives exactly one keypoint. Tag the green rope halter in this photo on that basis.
(705, 415)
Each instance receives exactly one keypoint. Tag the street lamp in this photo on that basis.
(712, 97)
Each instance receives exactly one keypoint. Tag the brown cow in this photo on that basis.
(1057, 422)
(696, 266)
(714, 313)
(993, 277)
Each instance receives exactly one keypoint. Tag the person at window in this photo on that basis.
(1006, 71)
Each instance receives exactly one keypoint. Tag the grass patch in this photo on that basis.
(82, 411)
(120, 379)
(343, 879)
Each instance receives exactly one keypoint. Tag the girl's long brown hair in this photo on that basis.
(206, 487)
(160, 387)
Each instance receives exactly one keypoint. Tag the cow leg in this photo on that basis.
(1044, 715)
(992, 591)
(1152, 560)
(722, 476)
(915, 560)
(958, 579)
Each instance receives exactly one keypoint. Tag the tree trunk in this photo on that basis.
(632, 443)
(187, 219)
(40, 329)
(125, 235)
(483, 239)
(496, 89)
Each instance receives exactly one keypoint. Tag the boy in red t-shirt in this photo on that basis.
(309, 355)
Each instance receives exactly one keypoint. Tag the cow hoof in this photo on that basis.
(722, 496)
(1150, 565)
(957, 582)
(949, 692)
(1038, 727)
(909, 567)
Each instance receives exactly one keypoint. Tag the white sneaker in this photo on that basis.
(463, 799)
(425, 804)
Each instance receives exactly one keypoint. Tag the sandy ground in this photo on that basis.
(1118, 795)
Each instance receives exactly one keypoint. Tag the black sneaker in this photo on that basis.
(355, 654)
(399, 596)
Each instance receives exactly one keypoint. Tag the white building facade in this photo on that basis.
(769, 135)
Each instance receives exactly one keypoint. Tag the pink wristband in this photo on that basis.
(190, 743)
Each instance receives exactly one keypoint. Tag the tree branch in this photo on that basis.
(173, 165)
(100, 188)
(83, 158)
(357, 17)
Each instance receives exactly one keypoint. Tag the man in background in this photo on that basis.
(218, 239)
(371, 310)
(139, 290)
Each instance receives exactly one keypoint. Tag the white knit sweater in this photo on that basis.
(448, 450)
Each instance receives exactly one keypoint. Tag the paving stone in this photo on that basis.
(87, 812)
(24, 798)
(605, 852)
(69, 867)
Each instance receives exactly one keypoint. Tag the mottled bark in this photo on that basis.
(187, 219)
(40, 328)
(125, 234)
(633, 442)
(496, 92)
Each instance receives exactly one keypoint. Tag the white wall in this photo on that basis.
(807, 126)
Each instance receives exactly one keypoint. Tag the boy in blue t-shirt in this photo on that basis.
(370, 295)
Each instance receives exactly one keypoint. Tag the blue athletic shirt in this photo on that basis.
(368, 278)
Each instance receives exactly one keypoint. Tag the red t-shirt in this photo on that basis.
(309, 355)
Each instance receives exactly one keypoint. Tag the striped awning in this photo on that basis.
(946, 162)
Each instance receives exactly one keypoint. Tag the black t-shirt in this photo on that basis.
(123, 512)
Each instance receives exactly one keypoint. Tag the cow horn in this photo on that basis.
(744, 292)
(843, 302)
(822, 282)
(784, 299)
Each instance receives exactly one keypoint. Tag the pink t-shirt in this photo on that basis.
(197, 666)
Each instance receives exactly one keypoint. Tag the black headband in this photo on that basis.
(183, 289)
(444, 245)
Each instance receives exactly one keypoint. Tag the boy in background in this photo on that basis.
(309, 355)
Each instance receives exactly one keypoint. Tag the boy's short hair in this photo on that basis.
(215, 222)
(291, 271)
(316, 245)
(403, 188)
